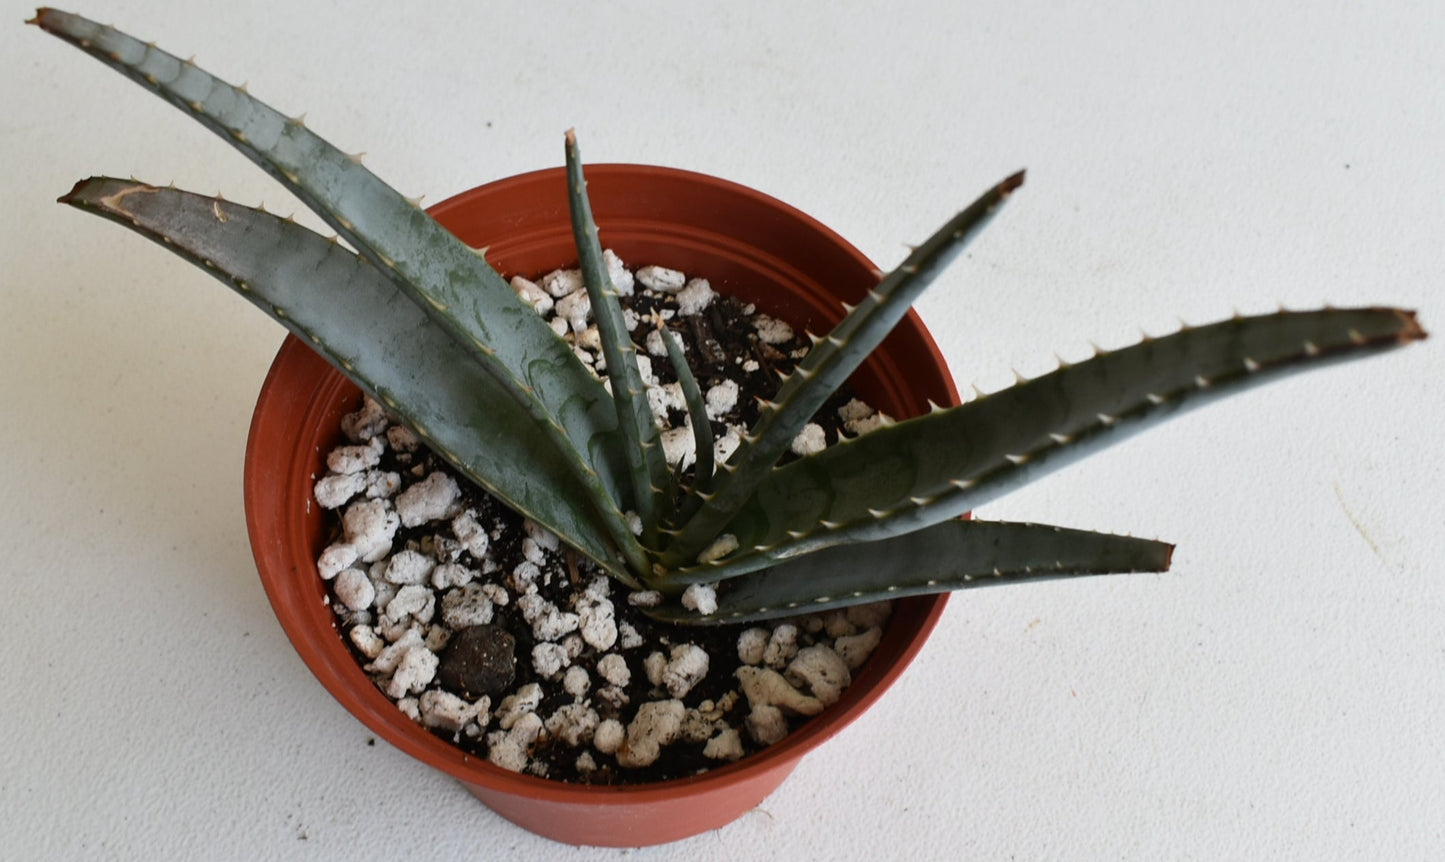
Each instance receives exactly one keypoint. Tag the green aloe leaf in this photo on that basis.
(828, 364)
(355, 317)
(692, 396)
(925, 470)
(450, 281)
(679, 506)
(638, 429)
(952, 555)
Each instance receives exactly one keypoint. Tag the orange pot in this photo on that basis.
(746, 244)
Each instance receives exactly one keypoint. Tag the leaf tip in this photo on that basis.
(73, 196)
(1410, 328)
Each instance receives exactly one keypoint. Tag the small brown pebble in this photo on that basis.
(478, 660)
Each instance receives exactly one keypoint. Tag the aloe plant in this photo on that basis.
(422, 322)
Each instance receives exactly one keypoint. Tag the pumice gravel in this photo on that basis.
(484, 628)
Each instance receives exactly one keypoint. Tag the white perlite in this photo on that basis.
(810, 440)
(679, 447)
(574, 724)
(401, 439)
(617, 271)
(409, 567)
(428, 500)
(753, 645)
(366, 423)
(655, 345)
(727, 444)
(369, 526)
(766, 687)
(644, 598)
(694, 297)
(609, 736)
(727, 745)
(576, 682)
(575, 307)
(548, 660)
(548, 622)
(859, 418)
(417, 668)
(411, 602)
(381, 484)
(684, 669)
(514, 706)
(468, 530)
(701, 598)
(533, 294)
(417, 563)
(773, 331)
(354, 589)
(782, 645)
(542, 537)
(721, 399)
(562, 282)
(509, 748)
(468, 606)
(721, 547)
(333, 491)
(445, 710)
(613, 668)
(820, 670)
(597, 622)
(452, 575)
(355, 459)
(855, 649)
(766, 725)
(367, 641)
(334, 559)
(661, 279)
(657, 724)
(665, 399)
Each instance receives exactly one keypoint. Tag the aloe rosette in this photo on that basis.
(420, 320)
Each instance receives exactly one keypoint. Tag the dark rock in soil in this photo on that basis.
(478, 660)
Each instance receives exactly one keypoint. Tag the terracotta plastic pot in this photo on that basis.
(747, 244)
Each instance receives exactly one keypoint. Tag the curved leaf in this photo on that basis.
(828, 364)
(637, 428)
(356, 318)
(447, 279)
(905, 476)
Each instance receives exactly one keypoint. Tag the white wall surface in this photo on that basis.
(1280, 694)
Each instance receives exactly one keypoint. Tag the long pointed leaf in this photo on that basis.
(356, 318)
(952, 555)
(829, 363)
(696, 412)
(446, 278)
(638, 430)
(925, 470)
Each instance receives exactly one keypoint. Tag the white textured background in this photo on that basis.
(1281, 694)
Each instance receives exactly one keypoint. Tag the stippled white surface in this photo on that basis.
(1280, 694)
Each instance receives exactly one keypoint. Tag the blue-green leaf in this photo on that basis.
(952, 555)
(921, 471)
(353, 315)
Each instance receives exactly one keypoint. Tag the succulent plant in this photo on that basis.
(422, 322)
